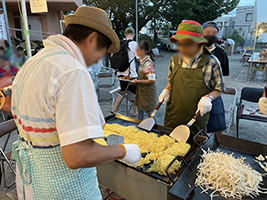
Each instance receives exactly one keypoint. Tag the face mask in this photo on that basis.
(212, 39)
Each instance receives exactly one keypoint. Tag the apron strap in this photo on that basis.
(13, 71)
(176, 60)
(204, 59)
(22, 156)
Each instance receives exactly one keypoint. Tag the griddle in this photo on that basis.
(184, 186)
(196, 143)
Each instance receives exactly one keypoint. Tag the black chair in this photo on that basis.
(248, 112)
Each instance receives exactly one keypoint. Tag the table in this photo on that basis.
(256, 60)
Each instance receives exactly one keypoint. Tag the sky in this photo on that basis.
(243, 3)
(246, 2)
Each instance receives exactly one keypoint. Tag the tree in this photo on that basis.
(199, 10)
(122, 13)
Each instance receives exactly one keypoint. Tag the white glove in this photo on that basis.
(263, 105)
(204, 105)
(164, 96)
(132, 154)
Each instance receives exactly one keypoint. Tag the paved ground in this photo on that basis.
(248, 130)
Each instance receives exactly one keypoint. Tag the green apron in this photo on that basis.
(146, 94)
(187, 88)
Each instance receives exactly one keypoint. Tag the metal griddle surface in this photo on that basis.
(160, 130)
(184, 186)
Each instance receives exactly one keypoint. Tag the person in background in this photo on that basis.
(263, 103)
(220, 43)
(155, 37)
(2, 50)
(38, 48)
(131, 71)
(217, 115)
(195, 79)
(19, 58)
(231, 43)
(7, 49)
(6, 69)
(210, 32)
(146, 92)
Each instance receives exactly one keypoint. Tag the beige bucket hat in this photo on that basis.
(97, 19)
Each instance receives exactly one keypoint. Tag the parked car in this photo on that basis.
(165, 41)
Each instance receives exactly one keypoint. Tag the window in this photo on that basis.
(249, 17)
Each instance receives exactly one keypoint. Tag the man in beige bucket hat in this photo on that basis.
(55, 108)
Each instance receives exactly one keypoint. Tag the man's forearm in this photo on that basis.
(215, 94)
(145, 81)
(90, 154)
(168, 87)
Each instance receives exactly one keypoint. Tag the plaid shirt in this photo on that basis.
(212, 72)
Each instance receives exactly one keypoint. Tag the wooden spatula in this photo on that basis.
(181, 133)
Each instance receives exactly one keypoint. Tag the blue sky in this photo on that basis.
(246, 2)
(243, 3)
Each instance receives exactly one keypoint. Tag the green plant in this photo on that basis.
(148, 38)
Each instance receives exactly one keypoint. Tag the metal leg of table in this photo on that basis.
(249, 71)
(264, 73)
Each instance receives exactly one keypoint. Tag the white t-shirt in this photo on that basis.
(53, 97)
(230, 41)
(132, 55)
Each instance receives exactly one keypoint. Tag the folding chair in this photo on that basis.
(249, 112)
(129, 97)
(230, 109)
(5, 129)
(108, 77)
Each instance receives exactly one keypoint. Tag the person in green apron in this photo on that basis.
(57, 114)
(146, 93)
(195, 79)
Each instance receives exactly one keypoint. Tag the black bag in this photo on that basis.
(120, 60)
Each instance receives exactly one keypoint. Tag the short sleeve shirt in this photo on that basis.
(11, 72)
(230, 41)
(132, 55)
(148, 68)
(15, 59)
(54, 100)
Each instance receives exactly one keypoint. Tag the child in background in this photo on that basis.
(6, 69)
(146, 92)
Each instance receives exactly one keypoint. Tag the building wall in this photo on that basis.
(226, 24)
(242, 21)
(50, 22)
(53, 18)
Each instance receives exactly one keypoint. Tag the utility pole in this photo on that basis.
(26, 28)
(136, 20)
